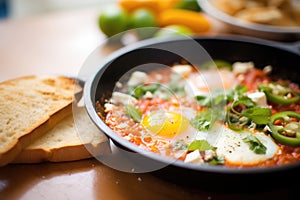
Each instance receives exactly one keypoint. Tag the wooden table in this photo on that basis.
(60, 43)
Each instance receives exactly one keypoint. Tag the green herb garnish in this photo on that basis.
(141, 90)
(133, 112)
(255, 145)
(244, 112)
(258, 115)
(217, 160)
(221, 98)
(200, 145)
(215, 99)
(205, 119)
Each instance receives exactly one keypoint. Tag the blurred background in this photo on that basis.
(27, 8)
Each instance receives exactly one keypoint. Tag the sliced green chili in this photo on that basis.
(285, 127)
(279, 94)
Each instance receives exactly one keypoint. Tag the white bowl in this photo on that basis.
(251, 29)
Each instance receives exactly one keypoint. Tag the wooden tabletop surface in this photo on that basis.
(60, 43)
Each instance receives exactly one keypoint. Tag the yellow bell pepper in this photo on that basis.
(196, 21)
(154, 5)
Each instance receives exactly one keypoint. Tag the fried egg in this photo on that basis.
(171, 124)
(230, 144)
(166, 124)
(203, 82)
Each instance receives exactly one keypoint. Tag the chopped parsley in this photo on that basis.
(204, 120)
(133, 113)
(258, 115)
(255, 145)
(141, 90)
(200, 145)
(217, 160)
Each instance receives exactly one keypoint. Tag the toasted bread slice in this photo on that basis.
(29, 107)
(66, 142)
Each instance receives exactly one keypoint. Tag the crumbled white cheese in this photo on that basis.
(209, 155)
(148, 95)
(194, 157)
(183, 70)
(267, 69)
(276, 88)
(125, 99)
(108, 107)
(242, 67)
(128, 137)
(119, 84)
(137, 78)
(259, 98)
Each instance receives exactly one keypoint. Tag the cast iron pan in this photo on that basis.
(284, 58)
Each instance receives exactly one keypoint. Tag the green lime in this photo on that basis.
(174, 30)
(113, 20)
(189, 5)
(143, 17)
(143, 20)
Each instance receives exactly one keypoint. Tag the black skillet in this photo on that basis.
(284, 58)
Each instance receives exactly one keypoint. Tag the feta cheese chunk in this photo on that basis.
(183, 70)
(108, 107)
(242, 67)
(125, 99)
(259, 98)
(148, 95)
(194, 157)
(137, 78)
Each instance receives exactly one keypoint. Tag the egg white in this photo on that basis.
(190, 133)
(204, 82)
(230, 144)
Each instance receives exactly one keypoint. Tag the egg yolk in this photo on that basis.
(166, 124)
